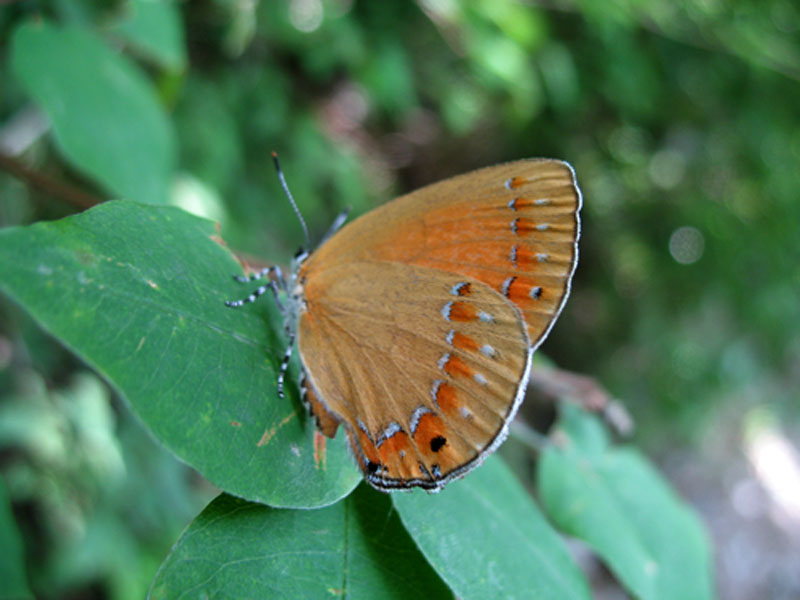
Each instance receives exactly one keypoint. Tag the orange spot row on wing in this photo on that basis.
(543, 227)
(526, 258)
(459, 311)
(430, 433)
(431, 436)
(462, 289)
(521, 290)
(520, 203)
(454, 366)
(398, 457)
(368, 448)
(515, 182)
(446, 397)
(523, 226)
(393, 458)
(463, 342)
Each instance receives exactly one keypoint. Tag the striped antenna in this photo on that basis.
(291, 199)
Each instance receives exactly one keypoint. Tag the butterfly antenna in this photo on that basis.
(291, 199)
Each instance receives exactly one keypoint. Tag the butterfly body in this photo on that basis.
(416, 323)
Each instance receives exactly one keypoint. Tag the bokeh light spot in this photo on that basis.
(686, 245)
(306, 15)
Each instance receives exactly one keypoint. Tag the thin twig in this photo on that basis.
(58, 189)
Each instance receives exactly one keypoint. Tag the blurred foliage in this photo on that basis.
(680, 118)
(607, 496)
(82, 475)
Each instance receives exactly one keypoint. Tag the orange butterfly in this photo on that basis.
(416, 323)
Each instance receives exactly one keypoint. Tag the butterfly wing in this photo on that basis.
(514, 227)
(423, 367)
(395, 352)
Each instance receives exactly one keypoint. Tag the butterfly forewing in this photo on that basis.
(421, 316)
(424, 367)
(513, 226)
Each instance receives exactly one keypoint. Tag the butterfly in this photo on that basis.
(416, 323)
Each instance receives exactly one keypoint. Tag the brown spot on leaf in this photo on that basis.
(320, 455)
(269, 433)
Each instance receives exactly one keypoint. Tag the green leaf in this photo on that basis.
(487, 539)
(154, 27)
(106, 118)
(614, 500)
(354, 549)
(12, 568)
(138, 292)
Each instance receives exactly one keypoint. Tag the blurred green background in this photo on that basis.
(682, 120)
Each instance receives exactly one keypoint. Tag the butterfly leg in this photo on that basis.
(285, 365)
(276, 283)
(274, 273)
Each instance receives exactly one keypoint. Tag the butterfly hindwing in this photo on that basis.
(423, 367)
